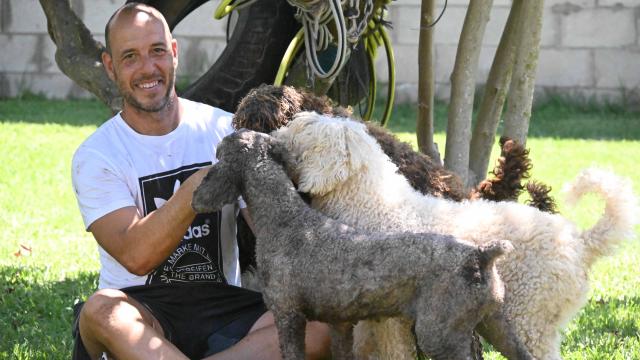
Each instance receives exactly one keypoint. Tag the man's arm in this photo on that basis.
(141, 244)
(248, 219)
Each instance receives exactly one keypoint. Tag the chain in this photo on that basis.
(358, 24)
(315, 15)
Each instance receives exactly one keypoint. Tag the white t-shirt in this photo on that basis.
(117, 167)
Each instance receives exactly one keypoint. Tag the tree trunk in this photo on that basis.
(426, 82)
(463, 81)
(520, 99)
(495, 93)
(78, 55)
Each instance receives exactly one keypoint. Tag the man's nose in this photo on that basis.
(147, 64)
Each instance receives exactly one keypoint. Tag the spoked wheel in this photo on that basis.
(356, 84)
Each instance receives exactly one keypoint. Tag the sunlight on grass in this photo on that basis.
(47, 261)
(39, 211)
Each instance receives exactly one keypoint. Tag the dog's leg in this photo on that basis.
(365, 344)
(438, 343)
(342, 341)
(396, 339)
(497, 329)
(291, 333)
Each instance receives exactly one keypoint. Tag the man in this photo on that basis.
(169, 279)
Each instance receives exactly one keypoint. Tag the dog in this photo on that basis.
(313, 267)
(350, 179)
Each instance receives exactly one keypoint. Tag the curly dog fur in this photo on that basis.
(352, 180)
(512, 167)
(313, 267)
(268, 108)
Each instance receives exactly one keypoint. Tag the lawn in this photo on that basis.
(48, 262)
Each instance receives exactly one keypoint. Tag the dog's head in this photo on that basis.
(325, 151)
(268, 107)
(238, 151)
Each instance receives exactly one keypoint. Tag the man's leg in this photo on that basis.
(262, 342)
(112, 322)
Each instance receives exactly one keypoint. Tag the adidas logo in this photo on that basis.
(160, 201)
(197, 232)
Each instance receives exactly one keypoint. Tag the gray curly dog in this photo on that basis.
(315, 268)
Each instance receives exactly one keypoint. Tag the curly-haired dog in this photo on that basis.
(267, 108)
(546, 276)
(313, 267)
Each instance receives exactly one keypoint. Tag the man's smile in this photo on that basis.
(146, 85)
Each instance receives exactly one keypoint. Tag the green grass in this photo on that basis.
(38, 210)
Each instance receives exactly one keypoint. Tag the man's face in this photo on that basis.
(142, 62)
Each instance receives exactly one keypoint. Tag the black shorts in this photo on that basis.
(200, 320)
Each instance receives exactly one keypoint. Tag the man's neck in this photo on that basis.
(153, 123)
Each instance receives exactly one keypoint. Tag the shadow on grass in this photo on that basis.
(36, 315)
(41, 111)
(554, 119)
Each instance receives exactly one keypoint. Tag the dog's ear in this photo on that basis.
(327, 150)
(218, 188)
(319, 154)
(361, 147)
(279, 152)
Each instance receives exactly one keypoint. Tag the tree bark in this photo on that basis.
(78, 55)
(520, 98)
(426, 82)
(463, 81)
(495, 93)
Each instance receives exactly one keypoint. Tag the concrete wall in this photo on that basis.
(27, 54)
(590, 48)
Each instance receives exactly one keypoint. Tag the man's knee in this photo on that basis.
(103, 306)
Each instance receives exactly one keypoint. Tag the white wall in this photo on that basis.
(589, 47)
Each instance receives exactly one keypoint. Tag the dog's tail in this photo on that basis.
(620, 213)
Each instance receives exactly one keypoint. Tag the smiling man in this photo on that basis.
(169, 283)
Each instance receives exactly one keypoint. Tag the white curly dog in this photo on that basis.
(350, 179)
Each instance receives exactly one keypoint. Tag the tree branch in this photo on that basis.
(495, 93)
(520, 98)
(463, 80)
(426, 82)
(78, 55)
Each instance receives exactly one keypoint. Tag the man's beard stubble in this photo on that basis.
(167, 99)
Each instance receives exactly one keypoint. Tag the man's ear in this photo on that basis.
(107, 61)
(174, 50)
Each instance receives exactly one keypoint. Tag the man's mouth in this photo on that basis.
(148, 84)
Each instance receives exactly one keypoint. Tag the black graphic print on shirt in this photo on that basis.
(198, 258)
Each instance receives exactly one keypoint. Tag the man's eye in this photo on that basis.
(159, 51)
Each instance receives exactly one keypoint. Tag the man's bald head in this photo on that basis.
(129, 11)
